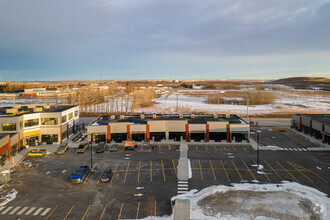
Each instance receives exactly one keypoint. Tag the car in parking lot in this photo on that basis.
(106, 176)
(62, 149)
(101, 147)
(113, 148)
(80, 174)
(82, 148)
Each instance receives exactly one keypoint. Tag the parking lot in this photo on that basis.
(142, 184)
(144, 180)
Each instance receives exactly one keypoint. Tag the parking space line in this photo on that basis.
(249, 170)
(37, 212)
(51, 212)
(17, 208)
(126, 171)
(86, 212)
(287, 172)
(205, 148)
(114, 173)
(274, 170)
(237, 170)
(299, 171)
(215, 149)
(141, 147)
(196, 148)
(176, 174)
(155, 214)
(224, 147)
(21, 211)
(102, 172)
(215, 178)
(45, 212)
(225, 170)
(262, 170)
(121, 209)
(243, 148)
(8, 209)
(163, 170)
(137, 211)
(316, 174)
(105, 207)
(87, 177)
(150, 170)
(200, 169)
(234, 148)
(68, 212)
(139, 172)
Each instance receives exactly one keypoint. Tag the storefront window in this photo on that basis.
(63, 118)
(70, 115)
(8, 126)
(31, 122)
(76, 113)
(49, 138)
(14, 149)
(3, 158)
(64, 134)
(49, 121)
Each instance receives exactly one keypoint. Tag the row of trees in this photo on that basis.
(12, 87)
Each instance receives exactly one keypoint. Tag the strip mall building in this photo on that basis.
(30, 125)
(197, 128)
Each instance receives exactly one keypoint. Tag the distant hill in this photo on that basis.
(317, 83)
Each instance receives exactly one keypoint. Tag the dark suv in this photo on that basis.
(101, 147)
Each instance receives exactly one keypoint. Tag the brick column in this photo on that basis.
(147, 132)
(207, 135)
(228, 133)
(311, 128)
(128, 132)
(8, 147)
(19, 141)
(108, 133)
(187, 132)
(61, 134)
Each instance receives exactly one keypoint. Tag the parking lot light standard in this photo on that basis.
(91, 143)
(258, 149)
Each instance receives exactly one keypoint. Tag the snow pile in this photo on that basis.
(189, 169)
(10, 196)
(259, 201)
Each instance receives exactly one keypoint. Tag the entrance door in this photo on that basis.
(32, 141)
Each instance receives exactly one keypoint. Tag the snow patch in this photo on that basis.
(10, 196)
(319, 168)
(189, 169)
(47, 172)
(259, 166)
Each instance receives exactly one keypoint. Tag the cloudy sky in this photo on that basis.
(150, 39)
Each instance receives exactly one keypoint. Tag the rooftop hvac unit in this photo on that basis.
(122, 117)
(181, 116)
(193, 116)
(112, 117)
(32, 106)
(142, 116)
(37, 109)
(12, 110)
(215, 116)
(17, 106)
(154, 116)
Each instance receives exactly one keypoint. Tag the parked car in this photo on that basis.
(62, 149)
(106, 176)
(80, 174)
(101, 147)
(82, 148)
(113, 148)
(129, 145)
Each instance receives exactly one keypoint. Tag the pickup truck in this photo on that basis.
(80, 174)
(82, 148)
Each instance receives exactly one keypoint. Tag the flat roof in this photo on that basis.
(25, 110)
(324, 118)
(197, 119)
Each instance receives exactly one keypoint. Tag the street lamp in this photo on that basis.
(91, 143)
(258, 149)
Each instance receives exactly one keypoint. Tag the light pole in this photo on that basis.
(91, 155)
(258, 149)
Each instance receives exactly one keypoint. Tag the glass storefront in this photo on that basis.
(32, 141)
(157, 136)
(138, 137)
(3, 158)
(218, 136)
(239, 137)
(176, 136)
(98, 138)
(64, 135)
(13, 150)
(49, 138)
(119, 137)
(197, 137)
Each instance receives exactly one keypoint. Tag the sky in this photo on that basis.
(172, 39)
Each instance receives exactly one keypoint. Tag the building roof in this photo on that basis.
(198, 119)
(25, 110)
(323, 118)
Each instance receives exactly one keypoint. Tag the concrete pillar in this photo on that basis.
(147, 132)
(8, 147)
(167, 135)
(61, 134)
(187, 132)
(228, 133)
(128, 132)
(108, 133)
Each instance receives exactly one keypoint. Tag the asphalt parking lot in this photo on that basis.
(144, 180)
(143, 183)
